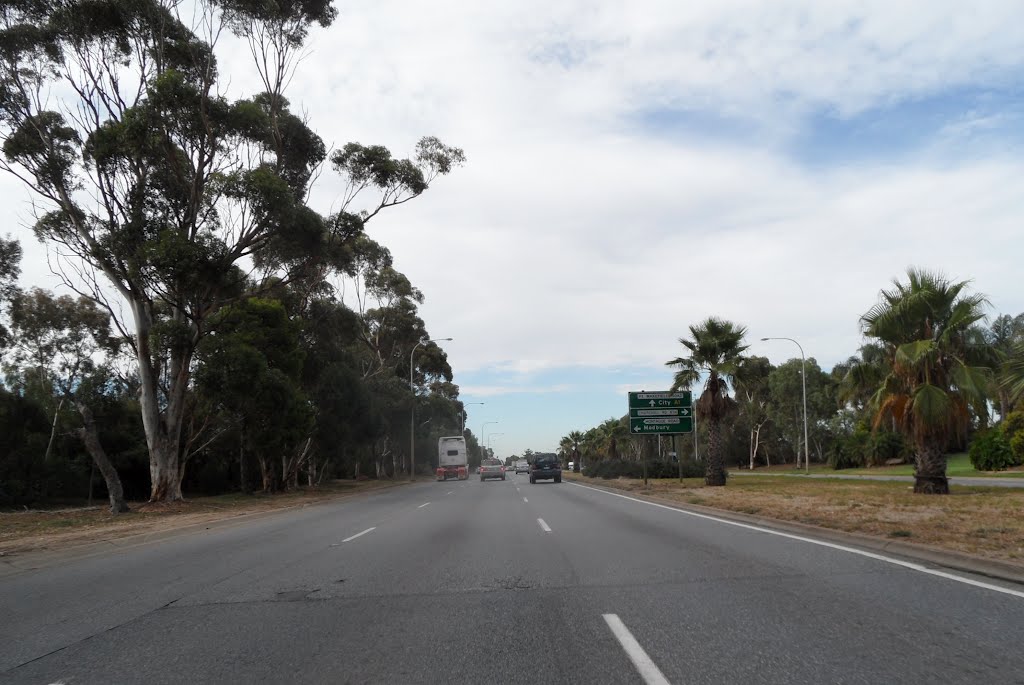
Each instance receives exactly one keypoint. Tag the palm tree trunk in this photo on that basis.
(715, 470)
(930, 469)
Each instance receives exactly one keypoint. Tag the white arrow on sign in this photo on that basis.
(653, 403)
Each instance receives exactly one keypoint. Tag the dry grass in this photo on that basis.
(984, 521)
(22, 531)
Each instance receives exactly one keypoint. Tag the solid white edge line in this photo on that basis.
(644, 665)
(359, 534)
(544, 526)
(422, 505)
(843, 548)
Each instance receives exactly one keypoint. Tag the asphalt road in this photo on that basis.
(470, 582)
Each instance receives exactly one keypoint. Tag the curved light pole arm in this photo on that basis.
(803, 378)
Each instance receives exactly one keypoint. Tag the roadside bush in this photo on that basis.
(990, 451)
(632, 469)
(1013, 424)
(887, 445)
(1012, 429)
(1017, 448)
(850, 451)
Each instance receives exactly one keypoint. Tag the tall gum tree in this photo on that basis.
(158, 192)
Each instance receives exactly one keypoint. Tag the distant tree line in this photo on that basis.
(933, 374)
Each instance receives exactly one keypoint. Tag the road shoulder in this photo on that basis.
(924, 554)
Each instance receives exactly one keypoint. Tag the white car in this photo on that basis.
(571, 464)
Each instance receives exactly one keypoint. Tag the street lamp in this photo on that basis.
(482, 439)
(464, 405)
(412, 411)
(803, 375)
(489, 436)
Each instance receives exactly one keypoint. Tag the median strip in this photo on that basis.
(368, 530)
(643, 663)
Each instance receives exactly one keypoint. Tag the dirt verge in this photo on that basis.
(53, 530)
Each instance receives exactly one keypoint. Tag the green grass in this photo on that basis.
(958, 464)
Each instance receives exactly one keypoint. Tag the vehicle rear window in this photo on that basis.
(453, 453)
(492, 462)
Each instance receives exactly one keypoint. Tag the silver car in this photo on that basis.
(491, 468)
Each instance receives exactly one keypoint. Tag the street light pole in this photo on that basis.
(464, 405)
(412, 410)
(482, 439)
(803, 374)
(489, 436)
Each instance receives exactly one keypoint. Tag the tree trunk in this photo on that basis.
(162, 424)
(91, 439)
(930, 469)
(243, 476)
(714, 473)
(53, 432)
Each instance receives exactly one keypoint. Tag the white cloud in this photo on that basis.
(574, 238)
(498, 390)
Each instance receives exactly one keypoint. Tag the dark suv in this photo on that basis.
(544, 468)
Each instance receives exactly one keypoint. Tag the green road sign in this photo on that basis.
(674, 411)
(659, 400)
(665, 413)
(667, 425)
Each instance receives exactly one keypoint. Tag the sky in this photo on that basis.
(634, 167)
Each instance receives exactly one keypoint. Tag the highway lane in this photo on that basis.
(498, 582)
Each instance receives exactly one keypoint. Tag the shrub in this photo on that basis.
(1012, 429)
(1017, 448)
(634, 469)
(1012, 425)
(848, 451)
(887, 445)
(990, 451)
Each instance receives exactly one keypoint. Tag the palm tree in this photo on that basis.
(716, 350)
(612, 432)
(1005, 335)
(575, 437)
(864, 372)
(1012, 374)
(936, 374)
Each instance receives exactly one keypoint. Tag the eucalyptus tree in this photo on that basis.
(10, 268)
(157, 190)
(715, 351)
(251, 370)
(785, 409)
(63, 344)
(752, 398)
(936, 375)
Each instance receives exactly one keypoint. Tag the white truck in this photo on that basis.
(452, 458)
